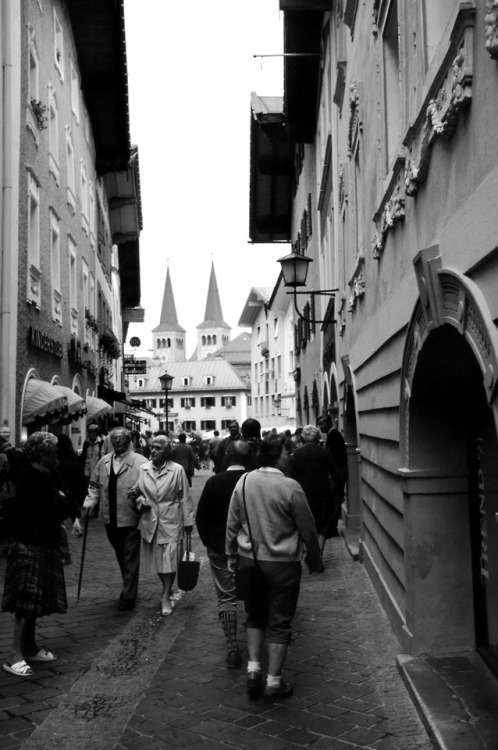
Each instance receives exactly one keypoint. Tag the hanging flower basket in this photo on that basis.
(91, 321)
(110, 344)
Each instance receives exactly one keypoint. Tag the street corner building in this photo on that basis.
(379, 166)
(70, 213)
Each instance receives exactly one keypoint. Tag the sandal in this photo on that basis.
(42, 655)
(20, 669)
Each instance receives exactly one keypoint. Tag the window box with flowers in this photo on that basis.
(40, 113)
(109, 344)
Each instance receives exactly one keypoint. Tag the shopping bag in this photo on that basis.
(188, 570)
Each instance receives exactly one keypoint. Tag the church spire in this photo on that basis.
(169, 319)
(213, 332)
(213, 315)
(169, 336)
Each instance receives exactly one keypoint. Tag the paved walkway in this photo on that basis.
(137, 680)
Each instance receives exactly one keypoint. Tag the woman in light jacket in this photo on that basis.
(163, 499)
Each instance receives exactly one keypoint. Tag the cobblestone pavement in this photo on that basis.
(139, 681)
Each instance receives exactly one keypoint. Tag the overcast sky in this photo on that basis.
(191, 71)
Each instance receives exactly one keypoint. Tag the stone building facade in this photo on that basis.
(390, 111)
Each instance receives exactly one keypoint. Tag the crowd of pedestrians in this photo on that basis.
(270, 505)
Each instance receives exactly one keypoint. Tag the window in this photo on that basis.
(436, 17)
(75, 98)
(151, 403)
(53, 136)
(58, 46)
(392, 88)
(34, 273)
(34, 68)
(275, 328)
(140, 383)
(187, 402)
(228, 401)
(84, 198)
(91, 212)
(208, 401)
(162, 403)
(73, 288)
(91, 294)
(189, 425)
(209, 380)
(85, 285)
(208, 424)
(71, 182)
(55, 259)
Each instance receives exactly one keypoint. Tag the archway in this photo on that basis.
(449, 447)
(352, 506)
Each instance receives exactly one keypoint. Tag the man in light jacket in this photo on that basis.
(113, 478)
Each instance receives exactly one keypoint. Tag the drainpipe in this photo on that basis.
(10, 131)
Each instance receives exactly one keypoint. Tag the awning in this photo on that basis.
(96, 408)
(111, 396)
(75, 403)
(43, 403)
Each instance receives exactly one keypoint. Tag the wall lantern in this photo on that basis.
(294, 271)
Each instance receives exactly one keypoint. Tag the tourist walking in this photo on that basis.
(113, 478)
(34, 577)
(163, 499)
(211, 521)
(269, 522)
(313, 468)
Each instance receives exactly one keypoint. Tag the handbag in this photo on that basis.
(188, 569)
(249, 581)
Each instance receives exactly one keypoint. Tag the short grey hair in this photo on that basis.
(311, 434)
(39, 444)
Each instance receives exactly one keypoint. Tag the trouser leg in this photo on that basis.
(126, 543)
(228, 621)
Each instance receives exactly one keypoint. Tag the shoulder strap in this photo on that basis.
(247, 516)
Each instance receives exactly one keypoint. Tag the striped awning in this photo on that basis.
(43, 403)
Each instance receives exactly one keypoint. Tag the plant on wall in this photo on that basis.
(40, 113)
(91, 321)
(110, 345)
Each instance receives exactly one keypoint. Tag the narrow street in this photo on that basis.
(137, 680)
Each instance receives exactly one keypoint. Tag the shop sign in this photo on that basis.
(45, 343)
(135, 366)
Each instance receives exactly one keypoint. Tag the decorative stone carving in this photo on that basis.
(491, 24)
(342, 186)
(392, 213)
(341, 316)
(443, 110)
(355, 124)
(356, 284)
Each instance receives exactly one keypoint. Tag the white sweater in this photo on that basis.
(279, 516)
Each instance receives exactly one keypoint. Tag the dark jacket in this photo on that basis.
(185, 456)
(39, 508)
(212, 509)
(313, 468)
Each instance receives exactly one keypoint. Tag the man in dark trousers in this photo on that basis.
(221, 463)
(336, 446)
(184, 455)
(211, 520)
(113, 478)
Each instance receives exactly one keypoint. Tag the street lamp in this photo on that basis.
(294, 272)
(166, 381)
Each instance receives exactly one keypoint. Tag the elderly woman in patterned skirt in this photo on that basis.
(34, 577)
(163, 498)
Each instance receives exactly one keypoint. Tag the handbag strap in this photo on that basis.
(188, 543)
(247, 517)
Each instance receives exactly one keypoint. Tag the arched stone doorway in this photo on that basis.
(449, 451)
(352, 505)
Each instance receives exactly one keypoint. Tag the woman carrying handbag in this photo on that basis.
(269, 523)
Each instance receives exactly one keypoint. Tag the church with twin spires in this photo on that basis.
(208, 390)
(169, 337)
